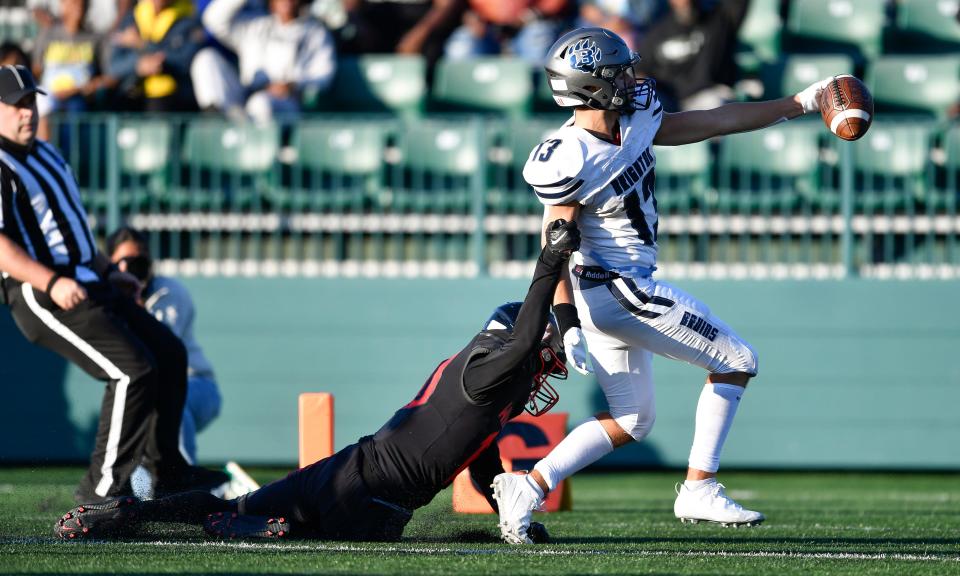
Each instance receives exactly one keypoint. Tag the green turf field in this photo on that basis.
(622, 523)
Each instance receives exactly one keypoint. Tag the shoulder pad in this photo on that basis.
(553, 169)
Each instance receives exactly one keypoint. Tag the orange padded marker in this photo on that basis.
(316, 426)
(524, 441)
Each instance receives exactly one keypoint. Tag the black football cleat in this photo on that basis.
(101, 520)
(230, 526)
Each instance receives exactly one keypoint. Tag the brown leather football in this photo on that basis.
(847, 107)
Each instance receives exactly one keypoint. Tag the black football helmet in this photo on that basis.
(551, 357)
(594, 67)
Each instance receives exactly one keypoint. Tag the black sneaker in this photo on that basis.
(230, 525)
(109, 518)
(190, 478)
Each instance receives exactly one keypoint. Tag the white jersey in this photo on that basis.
(614, 184)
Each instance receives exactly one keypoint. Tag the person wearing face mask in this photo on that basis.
(168, 300)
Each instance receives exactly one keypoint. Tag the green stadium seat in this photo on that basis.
(18, 25)
(221, 145)
(890, 163)
(338, 163)
(927, 25)
(927, 84)
(144, 150)
(441, 165)
(951, 143)
(794, 72)
(852, 26)
(759, 35)
(235, 160)
(144, 145)
(950, 182)
(509, 193)
(683, 173)
(542, 94)
(771, 169)
(380, 83)
(484, 84)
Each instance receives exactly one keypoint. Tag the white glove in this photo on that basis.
(809, 97)
(575, 347)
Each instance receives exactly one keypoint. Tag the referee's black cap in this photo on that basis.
(15, 83)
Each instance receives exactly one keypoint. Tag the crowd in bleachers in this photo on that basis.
(411, 172)
(257, 58)
(244, 58)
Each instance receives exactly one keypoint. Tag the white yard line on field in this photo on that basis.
(516, 551)
(534, 551)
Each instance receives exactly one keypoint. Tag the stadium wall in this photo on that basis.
(852, 373)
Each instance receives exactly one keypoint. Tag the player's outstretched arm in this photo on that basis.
(698, 125)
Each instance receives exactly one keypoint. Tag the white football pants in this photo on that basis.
(628, 320)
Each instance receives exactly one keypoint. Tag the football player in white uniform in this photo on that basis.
(598, 169)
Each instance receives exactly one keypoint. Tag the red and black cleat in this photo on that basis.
(109, 518)
(230, 525)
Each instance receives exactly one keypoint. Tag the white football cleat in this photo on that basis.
(709, 503)
(517, 499)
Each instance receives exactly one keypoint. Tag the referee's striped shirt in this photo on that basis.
(40, 209)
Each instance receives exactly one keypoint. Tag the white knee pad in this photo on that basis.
(637, 424)
(748, 360)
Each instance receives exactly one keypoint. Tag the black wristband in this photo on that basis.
(567, 317)
(53, 280)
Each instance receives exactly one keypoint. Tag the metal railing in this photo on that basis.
(337, 195)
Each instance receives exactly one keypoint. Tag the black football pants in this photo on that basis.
(144, 365)
(329, 500)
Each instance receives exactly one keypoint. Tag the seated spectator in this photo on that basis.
(68, 59)
(690, 53)
(152, 51)
(524, 28)
(168, 301)
(282, 56)
(397, 26)
(626, 18)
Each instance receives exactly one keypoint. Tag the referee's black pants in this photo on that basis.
(144, 365)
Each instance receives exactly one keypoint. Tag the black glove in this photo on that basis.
(563, 238)
(538, 533)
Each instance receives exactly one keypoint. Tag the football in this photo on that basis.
(846, 107)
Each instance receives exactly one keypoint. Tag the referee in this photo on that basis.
(64, 295)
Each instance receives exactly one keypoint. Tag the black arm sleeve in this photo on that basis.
(486, 373)
(484, 468)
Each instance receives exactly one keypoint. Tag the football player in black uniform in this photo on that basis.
(368, 490)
